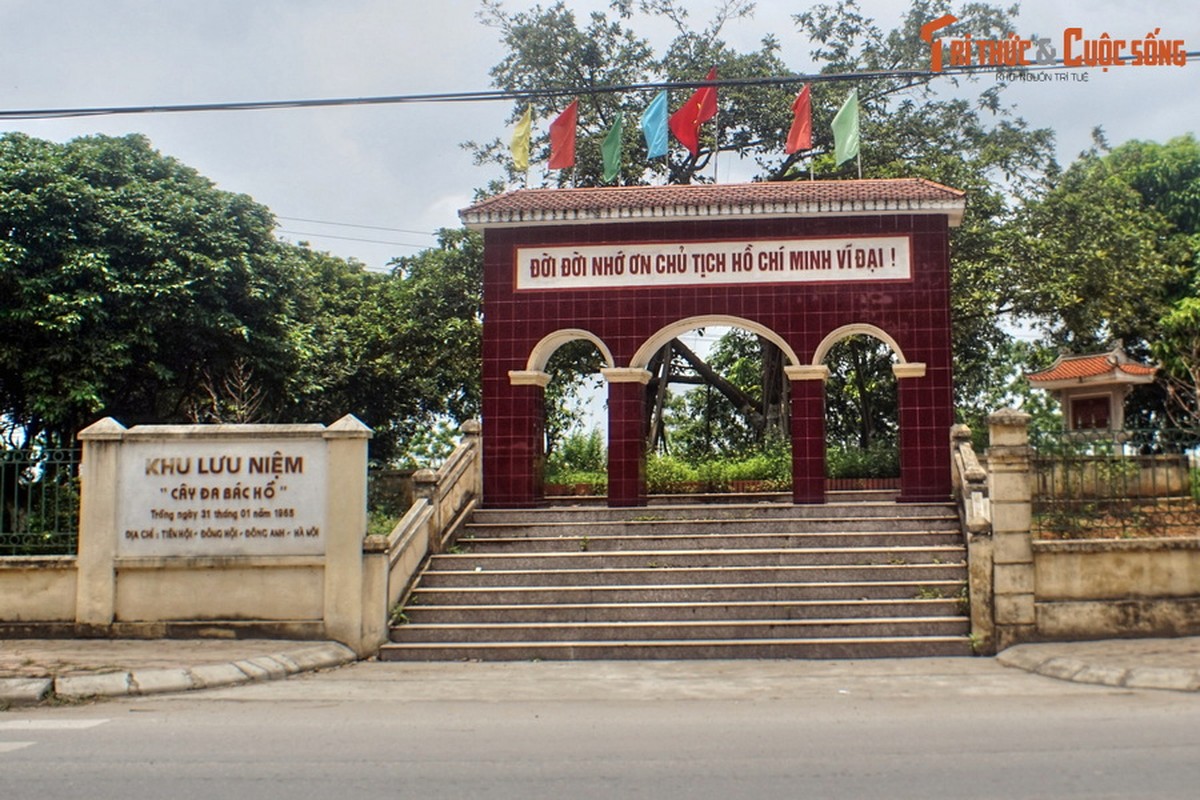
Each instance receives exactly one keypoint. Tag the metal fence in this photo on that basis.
(39, 501)
(1116, 484)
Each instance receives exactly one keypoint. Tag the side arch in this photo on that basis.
(656, 342)
(542, 351)
(857, 329)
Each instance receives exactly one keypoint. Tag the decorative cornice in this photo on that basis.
(528, 377)
(622, 204)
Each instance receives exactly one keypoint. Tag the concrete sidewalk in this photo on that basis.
(35, 670)
(1132, 663)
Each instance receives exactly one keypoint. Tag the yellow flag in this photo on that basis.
(520, 140)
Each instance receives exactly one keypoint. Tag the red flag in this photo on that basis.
(699, 109)
(562, 138)
(800, 134)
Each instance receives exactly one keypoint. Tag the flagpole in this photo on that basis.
(716, 142)
(859, 157)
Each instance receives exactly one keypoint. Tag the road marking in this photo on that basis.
(50, 724)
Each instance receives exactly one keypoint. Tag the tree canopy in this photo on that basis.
(1111, 251)
(132, 287)
(944, 129)
(126, 276)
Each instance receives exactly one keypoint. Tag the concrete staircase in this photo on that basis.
(859, 577)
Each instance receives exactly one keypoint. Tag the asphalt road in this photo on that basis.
(963, 728)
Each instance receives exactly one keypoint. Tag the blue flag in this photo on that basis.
(654, 126)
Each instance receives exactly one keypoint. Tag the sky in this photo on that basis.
(400, 168)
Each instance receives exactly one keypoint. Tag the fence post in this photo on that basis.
(1010, 486)
(95, 562)
(345, 529)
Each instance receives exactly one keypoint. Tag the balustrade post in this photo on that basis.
(1010, 486)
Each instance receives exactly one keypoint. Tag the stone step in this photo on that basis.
(754, 511)
(647, 575)
(687, 593)
(654, 559)
(743, 579)
(689, 611)
(709, 527)
(681, 629)
(588, 542)
(832, 648)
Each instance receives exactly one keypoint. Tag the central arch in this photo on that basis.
(656, 342)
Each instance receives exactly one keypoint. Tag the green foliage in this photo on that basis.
(703, 423)
(39, 501)
(380, 522)
(399, 350)
(549, 51)
(126, 278)
(861, 396)
(583, 452)
(667, 474)
(429, 446)
(572, 368)
(968, 140)
(134, 288)
(1097, 258)
(1112, 252)
(580, 458)
(915, 130)
(881, 460)
(771, 467)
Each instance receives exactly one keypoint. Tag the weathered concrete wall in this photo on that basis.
(1117, 569)
(1108, 588)
(37, 589)
(151, 590)
(1078, 589)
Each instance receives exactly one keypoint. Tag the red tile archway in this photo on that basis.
(802, 261)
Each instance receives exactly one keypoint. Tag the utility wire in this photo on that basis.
(355, 225)
(352, 239)
(502, 95)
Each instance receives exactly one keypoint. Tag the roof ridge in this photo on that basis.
(873, 196)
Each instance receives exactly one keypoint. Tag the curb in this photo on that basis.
(30, 691)
(1076, 671)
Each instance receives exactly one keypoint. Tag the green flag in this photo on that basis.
(520, 140)
(611, 149)
(845, 130)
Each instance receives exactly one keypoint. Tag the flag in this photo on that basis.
(611, 149)
(699, 109)
(562, 138)
(845, 129)
(520, 140)
(654, 126)
(800, 134)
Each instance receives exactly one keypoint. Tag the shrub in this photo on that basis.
(577, 452)
(881, 460)
(666, 474)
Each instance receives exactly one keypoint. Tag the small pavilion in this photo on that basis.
(1093, 388)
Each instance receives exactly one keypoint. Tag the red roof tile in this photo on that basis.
(1082, 367)
(792, 198)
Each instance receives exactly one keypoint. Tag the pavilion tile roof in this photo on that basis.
(1114, 365)
(742, 200)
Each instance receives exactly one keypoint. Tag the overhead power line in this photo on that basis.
(503, 95)
(352, 239)
(355, 225)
